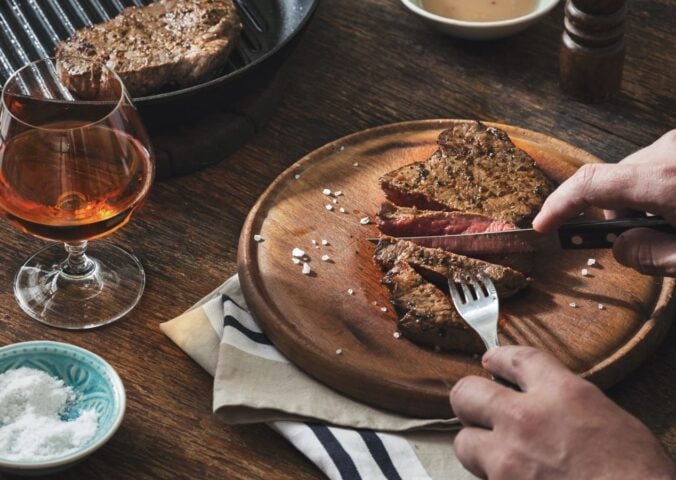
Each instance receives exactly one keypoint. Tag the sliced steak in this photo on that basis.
(438, 265)
(477, 170)
(426, 314)
(169, 42)
(411, 222)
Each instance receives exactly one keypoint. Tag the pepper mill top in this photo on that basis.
(592, 49)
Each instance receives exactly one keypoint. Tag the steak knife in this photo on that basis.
(577, 235)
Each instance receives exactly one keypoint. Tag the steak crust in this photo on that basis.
(426, 315)
(169, 42)
(438, 265)
(477, 170)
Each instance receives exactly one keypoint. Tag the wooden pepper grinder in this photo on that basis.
(592, 49)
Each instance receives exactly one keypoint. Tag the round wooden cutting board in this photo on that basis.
(312, 317)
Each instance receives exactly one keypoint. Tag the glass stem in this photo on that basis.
(77, 263)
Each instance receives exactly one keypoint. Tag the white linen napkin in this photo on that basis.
(254, 383)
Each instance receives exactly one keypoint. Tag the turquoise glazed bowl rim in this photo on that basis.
(74, 353)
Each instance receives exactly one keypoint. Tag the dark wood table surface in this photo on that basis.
(361, 63)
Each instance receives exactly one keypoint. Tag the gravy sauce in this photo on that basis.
(480, 10)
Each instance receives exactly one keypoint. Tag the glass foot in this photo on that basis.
(106, 290)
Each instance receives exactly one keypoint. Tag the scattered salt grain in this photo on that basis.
(342, 210)
(306, 268)
(383, 309)
(258, 238)
(32, 407)
(573, 304)
(355, 164)
(374, 303)
(296, 261)
(601, 306)
(584, 272)
(338, 194)
(325, 242)
(342, 147)
(325, 258)
(327, 192)
(296, 176)
(314, 242)
(335, 201)
(350, 291)
(396, 334)
(329, 207)
(591, 262)
(298, 253)
(365, 221)
(339, 351)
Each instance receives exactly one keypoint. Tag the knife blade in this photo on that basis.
(578, 235)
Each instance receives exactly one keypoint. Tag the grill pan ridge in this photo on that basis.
(30, 29)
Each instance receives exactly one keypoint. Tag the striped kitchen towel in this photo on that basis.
(254, 383)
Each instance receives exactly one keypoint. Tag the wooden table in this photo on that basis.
(361, 64)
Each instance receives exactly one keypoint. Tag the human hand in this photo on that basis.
(558, 427)
(643, 182)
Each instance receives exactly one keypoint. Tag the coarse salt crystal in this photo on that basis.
(374, 302)
(383, 309)
(325, 258)
(339, 351)
(591, 262)
(258, 238)
(335, 201)
(573, 304)
(296, 261)
(314, 242)
(365, 221)
(584, 272)
(329, 207)
(296, 176)
(396, 334)
(326, 192)
(342, 210)
(325, 242)
(342, 147)
(338, 193)
(350, 291)
(601, 306)
(306, 268)
(355, 164)
(298, 253)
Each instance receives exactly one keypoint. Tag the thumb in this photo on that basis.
(648, 251)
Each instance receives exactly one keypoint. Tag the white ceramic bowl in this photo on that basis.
(481, 30)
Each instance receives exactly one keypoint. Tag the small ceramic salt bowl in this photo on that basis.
(481, 30)
(98, 387)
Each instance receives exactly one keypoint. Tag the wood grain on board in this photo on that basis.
(309, 317)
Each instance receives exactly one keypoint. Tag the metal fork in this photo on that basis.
(478, 306)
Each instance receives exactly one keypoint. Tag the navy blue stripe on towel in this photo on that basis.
(230, 321)
(340, 458)
(379, 453)
(225, 298)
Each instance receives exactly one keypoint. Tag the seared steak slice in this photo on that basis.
(438, 265)
(426, 314)
(169, 42)
(412, 222)
(476, 170)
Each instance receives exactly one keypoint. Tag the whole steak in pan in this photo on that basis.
(169, 42)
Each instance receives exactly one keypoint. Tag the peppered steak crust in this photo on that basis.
(426, 314)
(438, 265)
(169, 42)
(477, 170)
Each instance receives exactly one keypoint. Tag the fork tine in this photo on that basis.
(455, 294)
(490, 286)
(465, 289)
(474, 281)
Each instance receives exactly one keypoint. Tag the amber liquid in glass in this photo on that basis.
(68, 184)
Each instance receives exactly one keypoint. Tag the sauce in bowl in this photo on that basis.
(480, 10)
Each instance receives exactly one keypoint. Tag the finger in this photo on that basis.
(471, 446)
(605, 186)
(648, 251)
(474, 400)
(622, 213)
(527, 367)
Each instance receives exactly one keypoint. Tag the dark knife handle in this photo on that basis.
(602, 233)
